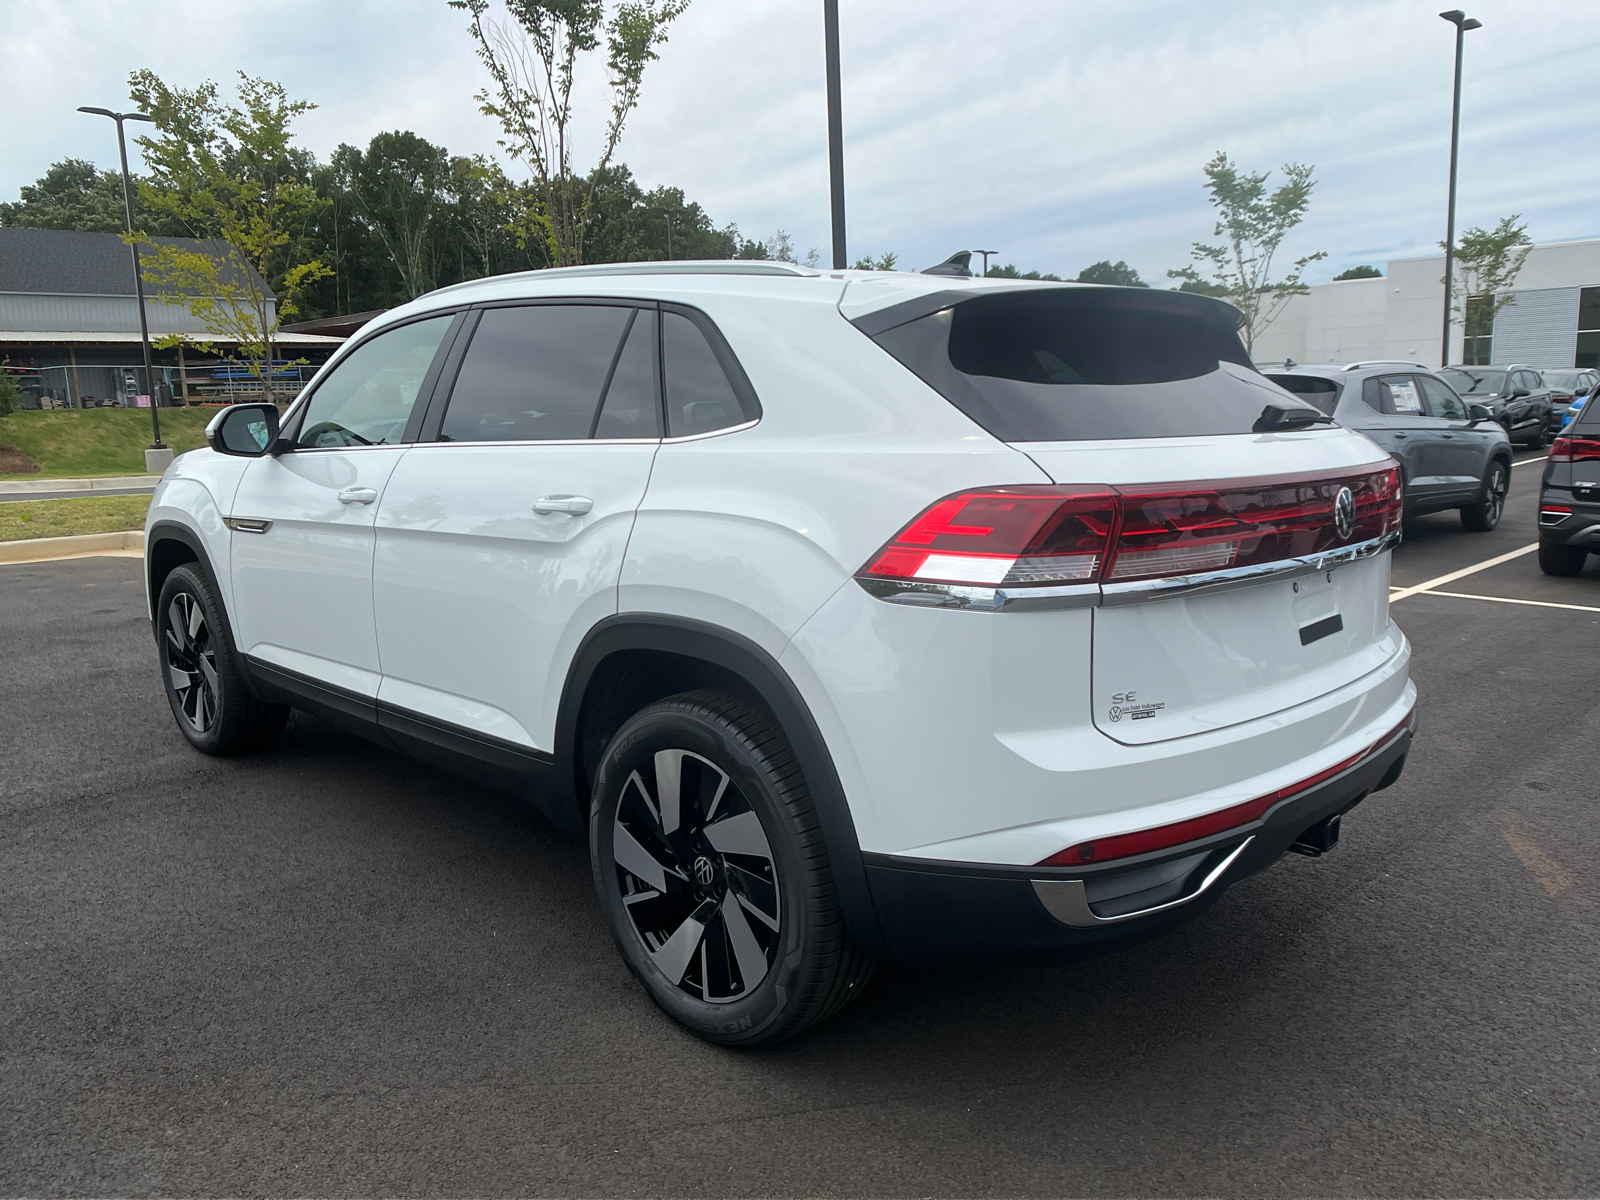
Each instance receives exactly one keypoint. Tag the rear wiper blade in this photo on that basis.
(1274, 417)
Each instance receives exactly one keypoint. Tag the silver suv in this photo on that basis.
(1452, 453)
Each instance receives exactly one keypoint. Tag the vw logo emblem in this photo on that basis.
(704, 871)
(1344, 513)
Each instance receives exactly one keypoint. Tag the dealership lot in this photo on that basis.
(326, 970)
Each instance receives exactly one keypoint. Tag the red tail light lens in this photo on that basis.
(1127, 845)
(1017, 536)
(1575, 449)
(1040, 536)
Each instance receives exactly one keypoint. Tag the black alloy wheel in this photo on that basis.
(1485, 514)
(213, 706)
(1539, 437)
(710, 865)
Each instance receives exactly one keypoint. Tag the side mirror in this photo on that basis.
(1478, 413)
(244, 430)
(1518, 393)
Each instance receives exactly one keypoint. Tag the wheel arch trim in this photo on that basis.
(174, 531)
(771, 683)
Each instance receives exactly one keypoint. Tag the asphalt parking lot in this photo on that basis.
(328, 971)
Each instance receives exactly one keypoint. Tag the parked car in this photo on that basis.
(1451, 454)
(1569, 497)
(1565, 386)
(1515, 396)
(848, 615)
(1573, 410)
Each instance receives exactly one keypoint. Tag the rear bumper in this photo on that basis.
(941, 911)
(1581, 528)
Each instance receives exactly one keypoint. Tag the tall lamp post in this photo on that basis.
(1462, 22)
(667, 212)
(986, 254)
(830, 34)
(138, 276)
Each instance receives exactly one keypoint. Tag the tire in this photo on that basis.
(1556, 559)
(200, 670)
(729, 918)
(1485, 514)
(1537, 441)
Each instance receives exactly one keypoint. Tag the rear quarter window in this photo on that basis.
(1075, 364)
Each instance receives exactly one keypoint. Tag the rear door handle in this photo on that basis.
(573, 505)
(357, 495)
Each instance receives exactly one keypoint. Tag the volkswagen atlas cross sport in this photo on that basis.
(849, 616)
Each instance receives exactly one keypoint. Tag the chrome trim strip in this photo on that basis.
(1067, 901)
(246, 524)
(1139, 590)
(982, 599)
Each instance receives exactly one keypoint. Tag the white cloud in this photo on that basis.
(1061, 131)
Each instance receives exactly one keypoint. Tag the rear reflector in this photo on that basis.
(1033, 536)
(1126, 845)
(1574, 449)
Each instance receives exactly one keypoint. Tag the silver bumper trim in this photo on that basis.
(1067, 901)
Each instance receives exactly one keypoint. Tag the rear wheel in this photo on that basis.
(710, 865)
(1555, 559)
(214, 709)
(1538, 437)
(1485, 514)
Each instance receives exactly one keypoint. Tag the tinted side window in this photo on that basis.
(534, 373)
(631, 408)
(1373, 395)
(1313, 389)
(1441, 401)
(369, 395)
(700, 395)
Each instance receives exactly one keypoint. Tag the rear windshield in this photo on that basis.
(1088, 364)
(1322, 393)
(1565, 380)
(1475, 383)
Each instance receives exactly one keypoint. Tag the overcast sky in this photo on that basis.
(1056, 131)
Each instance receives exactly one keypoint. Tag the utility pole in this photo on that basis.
(1462, 22)
(830, 33)
(138, 276)
(667, 212)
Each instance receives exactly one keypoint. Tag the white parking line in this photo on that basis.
(1528, 462)
(1461, 574)
(1512, 600)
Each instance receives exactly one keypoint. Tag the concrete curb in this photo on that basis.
(81, 546)
(121, 483)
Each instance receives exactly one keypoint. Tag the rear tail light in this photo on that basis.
(1575, 449)
(1029, 536)
(1163, 837)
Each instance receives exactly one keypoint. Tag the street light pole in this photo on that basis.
(138, 276)
(986, 254)
(667, 212)
(830, 34)
(1462, 22)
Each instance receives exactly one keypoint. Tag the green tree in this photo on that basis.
(1009, 271)
(1106, 271)
(230, 175)
(9, 393)
(884, 262)
(74, 194)
(1361, 272)
(1253, 224)
(1487, 263)
(532, 59)
(400, 188)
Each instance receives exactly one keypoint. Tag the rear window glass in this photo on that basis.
(1321, 393)
(1475, 382)
(1088, 364)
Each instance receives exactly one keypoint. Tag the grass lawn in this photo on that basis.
(75, 443)
(24, 519)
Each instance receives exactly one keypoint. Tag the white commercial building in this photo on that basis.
(1555, 321)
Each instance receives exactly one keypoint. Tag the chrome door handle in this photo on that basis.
(573, 505)
(357, 495)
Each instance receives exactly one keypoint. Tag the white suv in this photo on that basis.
(850, 616)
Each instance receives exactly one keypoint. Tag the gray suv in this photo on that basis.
(1452, 453)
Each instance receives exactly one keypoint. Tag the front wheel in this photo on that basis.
(214, 709)
(1536, 440)
(1484, 515)
(1555, 559)
(709, 862)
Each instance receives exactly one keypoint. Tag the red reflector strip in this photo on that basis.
(1126, 845)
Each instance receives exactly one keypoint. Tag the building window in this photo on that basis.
(1478, 343)
(1588, 354)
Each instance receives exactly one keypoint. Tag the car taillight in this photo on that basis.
(1037, 536)
(1574, 449)
(1024, 536)
(1126, 845)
